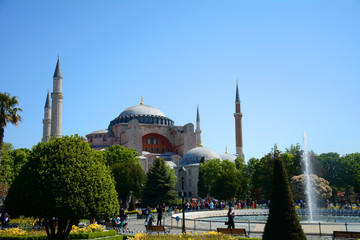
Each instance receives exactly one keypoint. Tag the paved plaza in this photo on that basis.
(193, 224)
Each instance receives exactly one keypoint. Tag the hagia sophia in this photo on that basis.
(153, 135)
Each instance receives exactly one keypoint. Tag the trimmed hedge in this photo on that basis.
(20, 237)
(112, 234)
(92, 235)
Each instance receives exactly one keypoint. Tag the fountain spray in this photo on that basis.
(309, 185)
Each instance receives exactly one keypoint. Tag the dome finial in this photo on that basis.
(226, 152)
(142, 100)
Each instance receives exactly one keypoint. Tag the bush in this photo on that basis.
(91, 235)
(39, 237)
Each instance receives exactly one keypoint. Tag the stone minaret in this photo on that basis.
(198, 130)
(56, 97)
(47, 120)
(238, 126)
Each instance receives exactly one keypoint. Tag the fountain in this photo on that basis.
(307, 171)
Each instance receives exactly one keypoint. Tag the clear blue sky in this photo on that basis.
(297, 62)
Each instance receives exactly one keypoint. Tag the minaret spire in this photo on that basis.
(47, 119)
(238, 125)
(198, 130)
(57, 97)
(57, 72)
(237, 98)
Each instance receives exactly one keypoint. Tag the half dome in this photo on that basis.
(227, 156)
(194, 155)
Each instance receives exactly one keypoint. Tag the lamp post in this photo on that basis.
(182, 172)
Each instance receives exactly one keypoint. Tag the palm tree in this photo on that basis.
(8, 114)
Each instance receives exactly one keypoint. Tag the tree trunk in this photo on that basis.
(62, 225)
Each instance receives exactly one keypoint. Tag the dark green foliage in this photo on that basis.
(9, 113)
(92, 235)
(118, 153)
(160, 185)
(203, 190)
(12, 162)
(63, 178)
(226, 186)
(126, 169)
(283, 222)
(128, 176)
(222, 177)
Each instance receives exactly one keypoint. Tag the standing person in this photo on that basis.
(122, 214)
(7, 220)
(2, 217)
(159, 210)
(231, 216)
(147, 213)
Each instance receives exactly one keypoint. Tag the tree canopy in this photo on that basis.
(12, 162)
(129, 177)
(126, 170)
(160, 185)
(9, 113)
(222, 179)
(117, 153)
(66, 179)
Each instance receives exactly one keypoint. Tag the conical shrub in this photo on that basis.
(283, 222)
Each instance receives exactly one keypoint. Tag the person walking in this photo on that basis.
(147, 213)
(231, 216)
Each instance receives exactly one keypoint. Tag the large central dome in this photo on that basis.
(145, 114)
(141, 110)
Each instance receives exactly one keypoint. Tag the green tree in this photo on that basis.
(221, 178)
(160, 185)
(283, 222)
(9, 113)
(66, 179)
(243, 177)
(126, 169)
(118, 153)
(129, 177)
(262, 176)
(226, 185)
(210, 171)
(7, 147)
(12, 162)
(351, 171)
(332, 168)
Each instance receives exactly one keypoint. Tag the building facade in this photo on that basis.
(146, 129)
